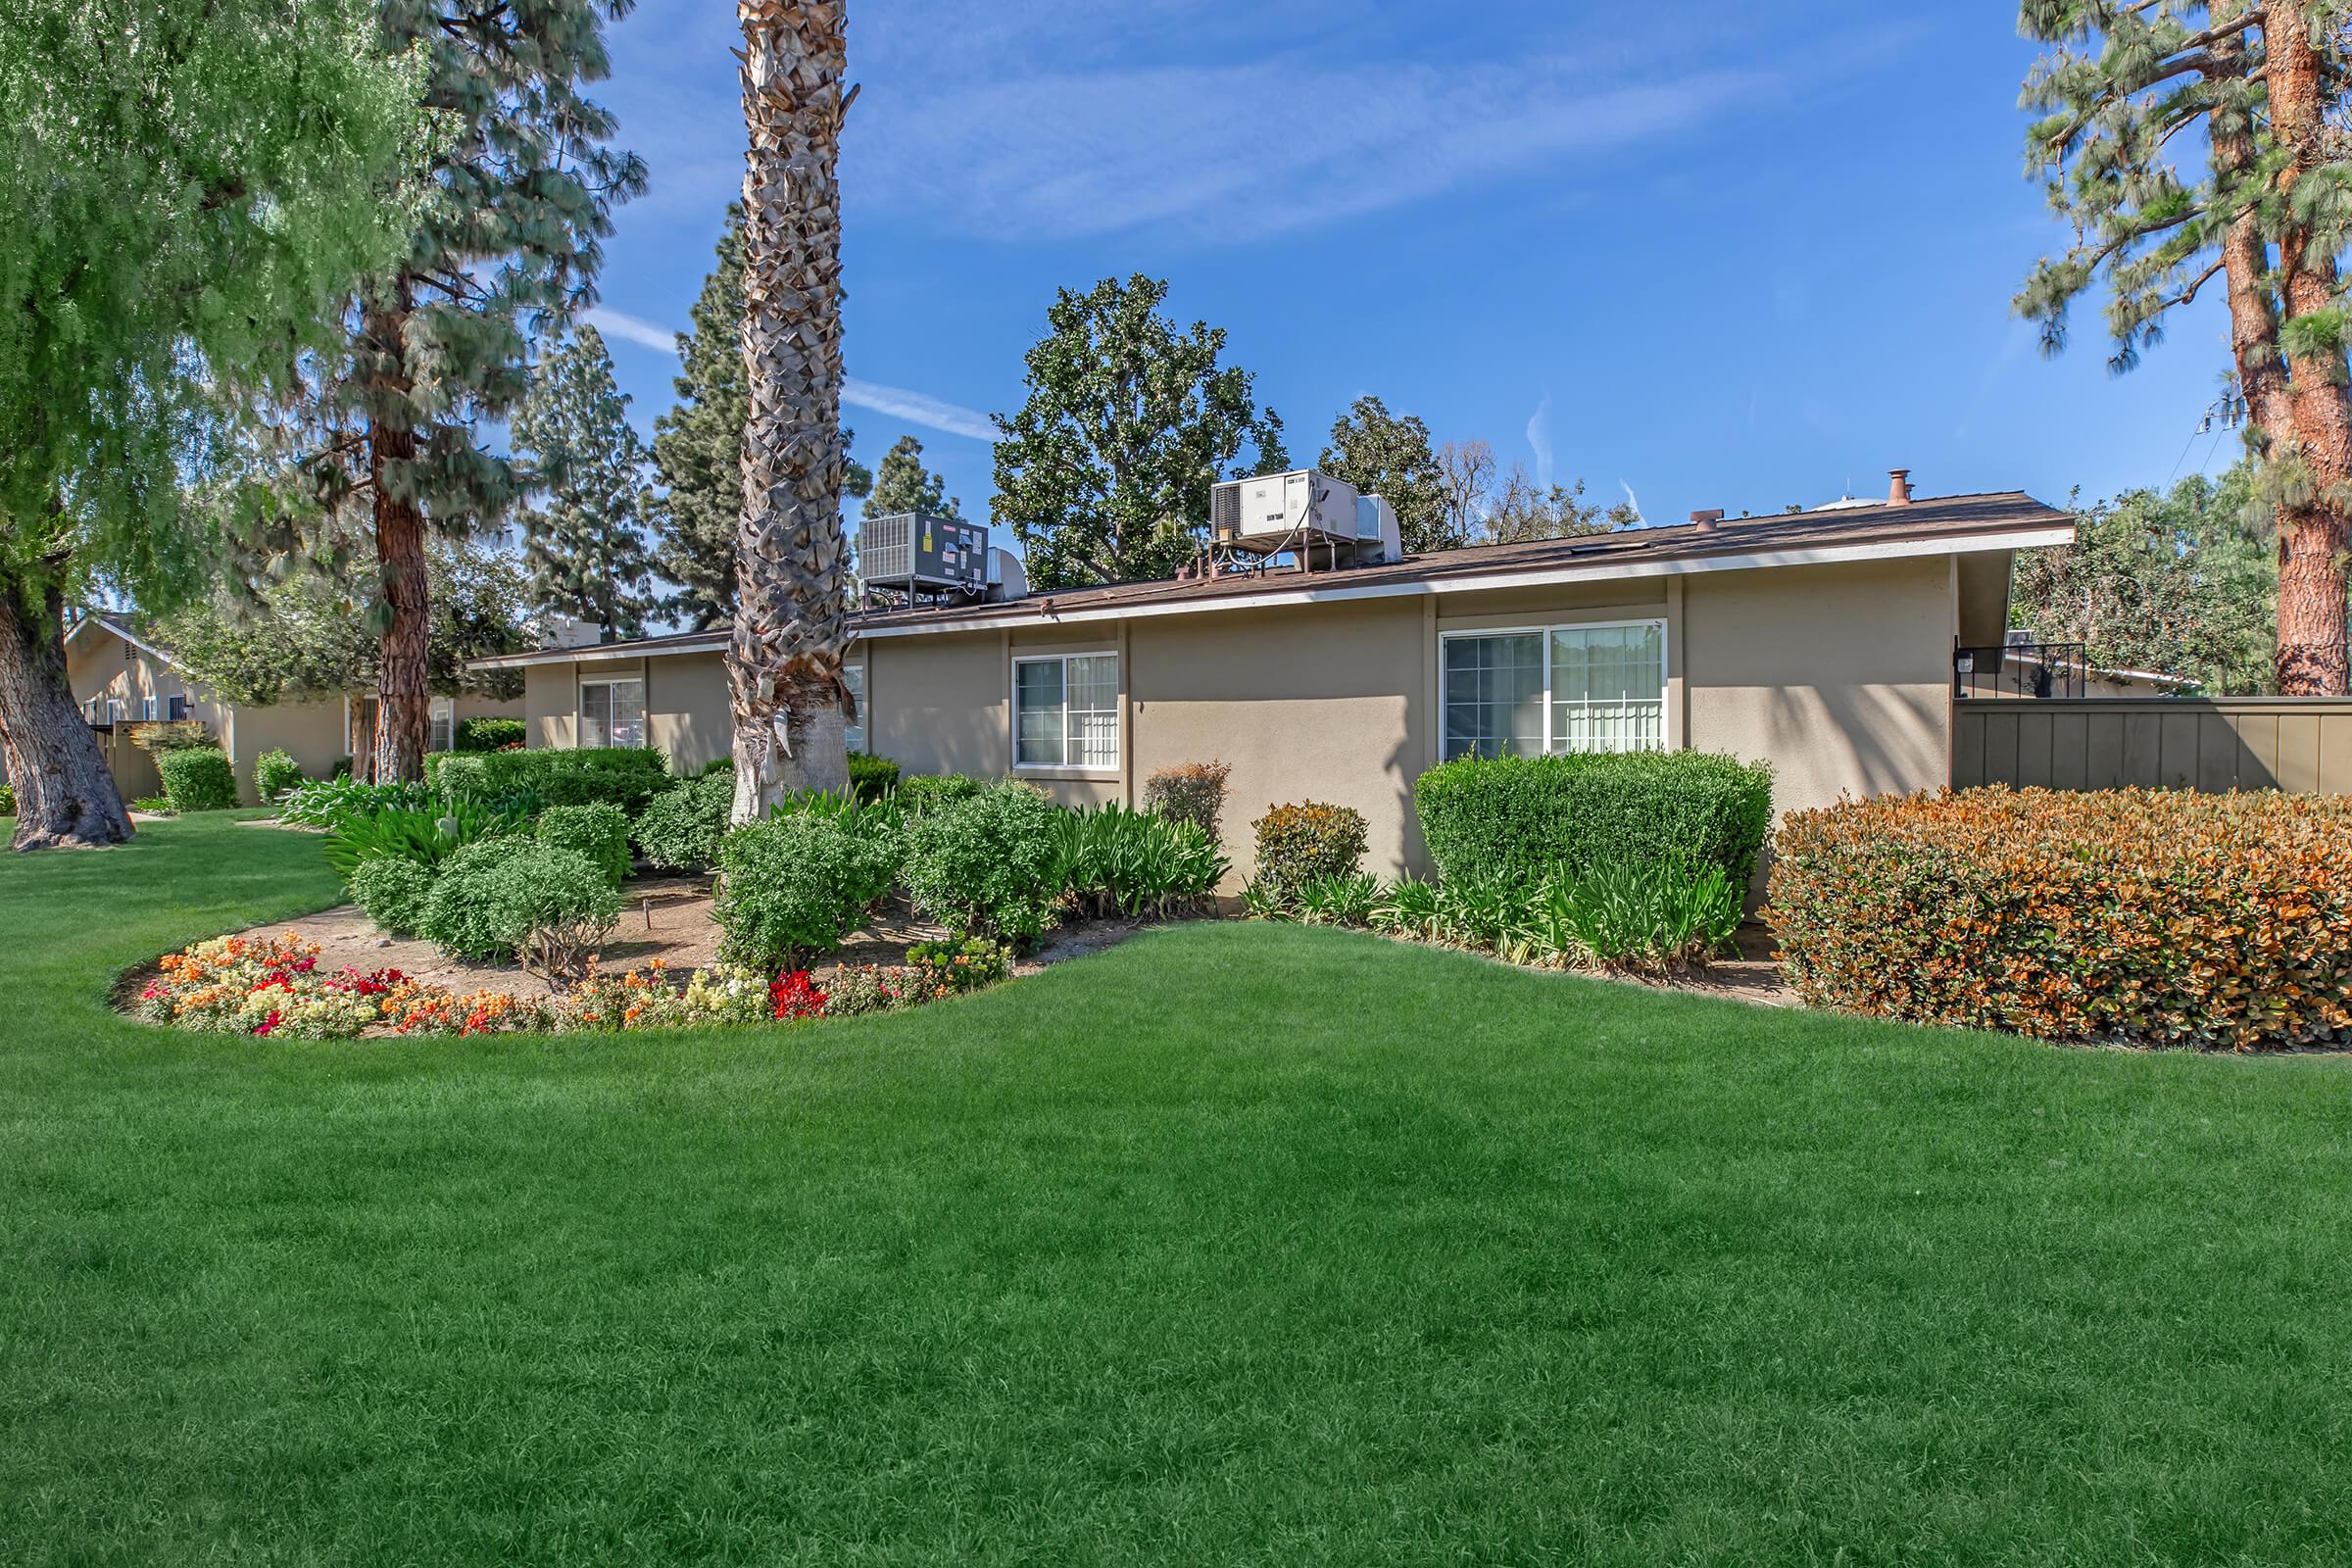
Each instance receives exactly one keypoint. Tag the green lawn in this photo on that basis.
(1237, 1243)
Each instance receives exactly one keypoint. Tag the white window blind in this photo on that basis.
(1522, 693)
(612, 713)
(1066, 712)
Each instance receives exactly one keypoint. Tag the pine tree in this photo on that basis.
(1105, 472)
(584, 546)
(182, 185)
(2262, 89)
(698, 448)
(903, 484)
(784, 683)
(512, 210)
(1390, 456)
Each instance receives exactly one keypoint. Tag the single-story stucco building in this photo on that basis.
(123, 675)
(1822, 642)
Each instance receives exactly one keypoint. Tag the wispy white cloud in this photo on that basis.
(1632, 499)
(1538, 440)
(897, 402)
(918, 408)
(632, 328)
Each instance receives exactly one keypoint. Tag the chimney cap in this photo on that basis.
(1706, 521)
(1898, 487)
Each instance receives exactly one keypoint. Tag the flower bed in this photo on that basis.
(274, 987)
(2160, 918)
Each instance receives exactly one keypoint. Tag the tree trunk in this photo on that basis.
(65, 798)
(404, 690)
(791, 624)
(2313, 534)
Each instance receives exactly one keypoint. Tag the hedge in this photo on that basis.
(476, 735)
(599, 834)
(198, 779)
(626, 776)
(1522, 818)
(871, 778)
(2156, 918)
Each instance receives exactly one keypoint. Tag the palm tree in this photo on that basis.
(791, 625)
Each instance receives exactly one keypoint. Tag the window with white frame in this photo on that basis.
(853, 677)
(147, 708)
(612, 712)
(1522, 693)
(443, 734)
(1065, 711)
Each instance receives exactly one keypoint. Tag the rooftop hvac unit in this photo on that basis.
(922, 554)
(1278, 512)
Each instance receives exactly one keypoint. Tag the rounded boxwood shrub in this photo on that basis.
(274, 772)
(198, 778)
(461, 914)
(392, 891)
(871, 777)
(626, 776)
(924, 791)
(1523, 818)
(599, 832)
(1310, 842)
(987, 865)
(681, 829)
(2156, 916)
(796, 884)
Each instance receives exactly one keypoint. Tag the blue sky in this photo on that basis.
(1715, 254)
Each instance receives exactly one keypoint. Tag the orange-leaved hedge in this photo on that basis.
(2157, 916)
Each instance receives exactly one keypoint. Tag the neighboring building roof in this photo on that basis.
(127, 630)
(1938, 526)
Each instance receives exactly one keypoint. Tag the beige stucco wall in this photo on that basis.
(311, 733)
(938, 704)
(686, 709)
(1322, 705)
(1840, 675)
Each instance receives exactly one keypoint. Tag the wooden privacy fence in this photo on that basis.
(2299, 744)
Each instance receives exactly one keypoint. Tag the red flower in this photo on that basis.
(795, 995)
(267, 1024)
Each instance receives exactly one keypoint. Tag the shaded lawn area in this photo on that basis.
(1237, 1244)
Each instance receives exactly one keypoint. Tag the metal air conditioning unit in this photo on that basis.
(1298, 513)
(919, 554)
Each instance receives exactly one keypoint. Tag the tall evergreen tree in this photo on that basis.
(182, 185)
(903, 484)
(698, 448)
(584, 544)
(784, 660)
(1390, 456)
(1104, 473)
(510, 217)
(2261, 86)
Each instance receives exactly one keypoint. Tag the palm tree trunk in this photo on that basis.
(65, 798)
(2312, 536)
(784, 661)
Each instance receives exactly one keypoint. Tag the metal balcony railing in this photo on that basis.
(2020, 670)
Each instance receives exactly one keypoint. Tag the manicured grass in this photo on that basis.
(1235, 1245)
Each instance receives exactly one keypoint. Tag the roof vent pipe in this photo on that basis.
(1898, 487)
(1705, 522)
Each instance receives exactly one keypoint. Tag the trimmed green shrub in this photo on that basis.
(599, 832)
(463, 914)
(926, 791)
(1522, 817)
(796, 885)
(1190, 792)
(987, 865)
(556, 907)
(8, 799)
(2157, 916)
(392, 891)
(274, 772)
(197, 778)
(1307, 843)
(681, 828)
(626, 776)
(488, 734)
(873, 777)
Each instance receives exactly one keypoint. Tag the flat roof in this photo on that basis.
(1934, 525)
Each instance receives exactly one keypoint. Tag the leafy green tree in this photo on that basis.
(1520, 509)
(182, 185)
(698, 448)
(903, 484)
(306, 635)
(584, 546)
(1104, 473)
(2180, 583)
(1390, 456)
(2258, 91)
(512, 212)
